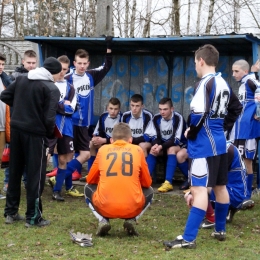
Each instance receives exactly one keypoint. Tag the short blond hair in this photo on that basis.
(121, 131)
(242, 64)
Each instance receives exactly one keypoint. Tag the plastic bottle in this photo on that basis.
(257, 103)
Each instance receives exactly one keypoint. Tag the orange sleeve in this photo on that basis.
(145, 177)
(93, 175)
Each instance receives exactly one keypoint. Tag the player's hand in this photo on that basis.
(109, 42)
(256, 67)
(186, 132)
(189, 199)
(67, 102)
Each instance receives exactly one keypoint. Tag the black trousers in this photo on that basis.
(31, 151)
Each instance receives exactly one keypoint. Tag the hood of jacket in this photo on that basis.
(40, 74)
(21, 69)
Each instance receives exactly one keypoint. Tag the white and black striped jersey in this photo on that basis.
(142, 128)
(246, 126)
(64, 111)
(84, 87)
(170, 132)
(105, 125)
(209, 106)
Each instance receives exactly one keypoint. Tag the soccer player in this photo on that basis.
(119, 182)
(246, 128)
(32, 121)
(170, 127)
(104, 128)
(84, 82)
(66, 107)
(140, 122)
(236, 186)
(208, 161)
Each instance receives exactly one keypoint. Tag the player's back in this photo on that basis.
(210, 101)
(122, 168)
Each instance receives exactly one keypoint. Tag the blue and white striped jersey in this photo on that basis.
(246, 126)
(170, 132)
(84, 87)
(142, 128)
(105, 125)
(209, 107)
(64, 111)
(237, 178)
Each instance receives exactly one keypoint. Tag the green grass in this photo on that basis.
(163, 221)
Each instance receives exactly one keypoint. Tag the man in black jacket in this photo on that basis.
(34, 100)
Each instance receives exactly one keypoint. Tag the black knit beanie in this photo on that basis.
(52, 65)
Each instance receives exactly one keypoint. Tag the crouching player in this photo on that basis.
(119, 182)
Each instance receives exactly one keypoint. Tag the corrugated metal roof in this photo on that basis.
(226, 44)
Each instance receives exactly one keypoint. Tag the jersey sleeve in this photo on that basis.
(66, 109)
(99, 73)
(234, 110)
(199, 109)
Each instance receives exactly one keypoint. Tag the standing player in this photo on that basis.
(140, 122)
(66, 107)
(119, 182)
(246, 128)
(208, 161)
(170, 127)
(104, 128)
(84, 82)
(29, 62)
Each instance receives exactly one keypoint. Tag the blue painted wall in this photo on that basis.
(149, 76)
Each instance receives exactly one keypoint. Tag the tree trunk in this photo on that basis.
(198, 18)
(177, 17)
(146, 29)
(68, 19)
(188, 24)
(210, 16)
(133, 18)
(2, 17)
(126, 18)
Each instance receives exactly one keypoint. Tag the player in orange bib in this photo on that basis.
(118, 184)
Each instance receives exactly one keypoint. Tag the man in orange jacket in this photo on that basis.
(119, 182)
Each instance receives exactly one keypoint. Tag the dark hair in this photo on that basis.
(2, 57)
(81, 54)
(137, 98)
(114, 101)
(209, 54)
(64, 59)
(166, 100)
(30, 54)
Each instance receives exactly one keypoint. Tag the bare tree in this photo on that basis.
(188, 24)
(198, 17)
(210, 16)
(147, 19)
(133, 19)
